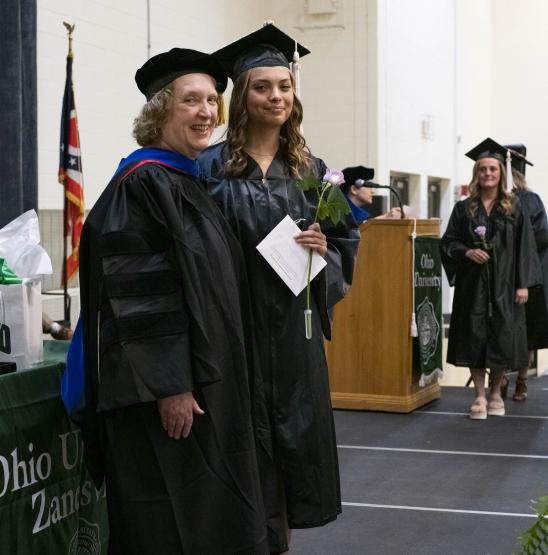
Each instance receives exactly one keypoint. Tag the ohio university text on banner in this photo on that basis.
(428, 313)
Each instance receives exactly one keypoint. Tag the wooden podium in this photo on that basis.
(370, 356)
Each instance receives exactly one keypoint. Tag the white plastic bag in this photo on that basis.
(21, 305)
(20, 248)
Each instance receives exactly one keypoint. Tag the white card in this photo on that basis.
(289, 259)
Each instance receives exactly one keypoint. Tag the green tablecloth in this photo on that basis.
(48, 504)
(35, 384)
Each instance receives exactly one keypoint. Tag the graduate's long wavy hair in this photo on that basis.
(147, 126)
(292, 143)
(504, 201)
(520, 183)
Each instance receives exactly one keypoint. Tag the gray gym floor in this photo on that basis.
(434, 482)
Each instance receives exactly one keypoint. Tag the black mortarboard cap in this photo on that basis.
(519, 160)
(355, 173)
(488, 149)
(163, 68)
(492, 149)
(266, 47)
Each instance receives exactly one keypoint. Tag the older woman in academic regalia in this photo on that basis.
(168, 416)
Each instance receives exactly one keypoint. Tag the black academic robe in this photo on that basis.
(477, 340)
(294, 369)
(158, 319)
(536, 309)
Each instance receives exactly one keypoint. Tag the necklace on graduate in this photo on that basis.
(259, 154)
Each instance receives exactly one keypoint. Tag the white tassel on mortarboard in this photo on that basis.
(296, 71)
(509, 179)
(414, 332)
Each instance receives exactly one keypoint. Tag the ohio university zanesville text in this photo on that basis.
(22, 470)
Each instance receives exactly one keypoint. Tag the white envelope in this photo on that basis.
(287, 258)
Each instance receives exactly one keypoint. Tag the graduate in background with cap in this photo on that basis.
(489, 256)
(536, 309)
(167, 420)
(252, 177)
(359, 195)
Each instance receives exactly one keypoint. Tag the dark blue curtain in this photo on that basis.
(18, 109)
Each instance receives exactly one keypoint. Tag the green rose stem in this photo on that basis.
(308, 311)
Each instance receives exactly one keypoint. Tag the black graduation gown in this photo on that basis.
(475, 339)
(294, 369)
(536, 309)
(158, 321)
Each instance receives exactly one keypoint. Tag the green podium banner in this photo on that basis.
(48, 502)
(428, 312)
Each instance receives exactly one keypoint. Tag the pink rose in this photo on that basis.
(335, 177)
(480, 231)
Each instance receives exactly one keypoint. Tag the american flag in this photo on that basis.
(70, 176)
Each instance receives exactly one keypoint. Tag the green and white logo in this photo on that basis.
(428, 328)
(86, 539)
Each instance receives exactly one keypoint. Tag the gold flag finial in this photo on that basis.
(70, 29)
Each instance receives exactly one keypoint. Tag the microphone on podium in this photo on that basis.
(373, 185)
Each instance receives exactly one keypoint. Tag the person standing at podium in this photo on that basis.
(359, 195)
(489, 255)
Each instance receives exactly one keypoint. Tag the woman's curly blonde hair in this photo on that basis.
(292, 143)
(147, 126)
(504, 200)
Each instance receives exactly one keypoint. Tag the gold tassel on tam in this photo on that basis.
(221, 111)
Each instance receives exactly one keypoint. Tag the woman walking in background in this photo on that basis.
(536, 309)
(489, 255)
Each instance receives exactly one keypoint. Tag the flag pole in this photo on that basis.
(66, 296)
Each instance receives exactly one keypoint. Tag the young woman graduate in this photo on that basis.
(489, 255)
(168, 407)
(536, 309)
(252, 177)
